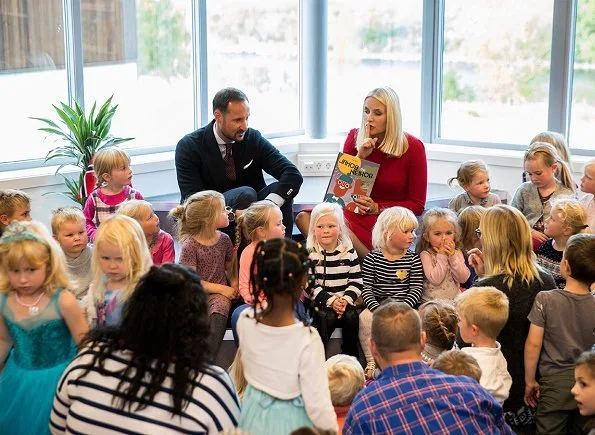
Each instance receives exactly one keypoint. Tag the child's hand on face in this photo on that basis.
(476, 261)
(449, 247)
(440, 249)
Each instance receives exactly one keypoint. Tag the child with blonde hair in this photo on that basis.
(68, 228)
(120, 258)
(161, 244)
(440, 251)
(458, 363)
(262, 220)
(390, 270)
(283, 358)
(507, 262)
(549, 179)
(345, 379)
(210, 253)
(439, 320)
(567, 217)
(338, 278)
(40, 325)
(557, 141)
(15, 205)
(588, 187)
(483, 312)
(474, 178)
(584, 388)
(112, 169)
(469, 219)
(562, 325)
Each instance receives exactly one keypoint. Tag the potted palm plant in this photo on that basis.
(80, 137)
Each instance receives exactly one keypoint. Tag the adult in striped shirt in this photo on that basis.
(338, 277)
(390, 270)
(151, 374)
(411, 398)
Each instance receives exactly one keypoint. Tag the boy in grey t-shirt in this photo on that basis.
(68, 228)
(562, 327)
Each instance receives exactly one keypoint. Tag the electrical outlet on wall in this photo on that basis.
(319, 165)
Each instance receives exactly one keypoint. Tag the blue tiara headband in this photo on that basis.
(16, 231)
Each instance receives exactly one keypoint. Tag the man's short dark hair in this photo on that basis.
(396, 327)
(580, 252)
(224, 96)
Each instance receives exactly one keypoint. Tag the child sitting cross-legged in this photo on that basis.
(562, 325)
(483, 312)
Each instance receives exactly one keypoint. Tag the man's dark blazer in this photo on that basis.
(200, 166)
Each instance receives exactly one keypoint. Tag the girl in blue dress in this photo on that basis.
(39, 326)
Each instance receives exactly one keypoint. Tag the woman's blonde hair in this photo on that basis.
(106, 160)
(127, 234)
(469, 220)
(555, 139)
(507, 246)
(198, 214)
(37, 250)
(428, 219)
(389, 221)
(440, 321)
(328, 209)
(467, 171)
(395, 141)
(135, 208)
(573, 214)
(256, 216)
(549, 156)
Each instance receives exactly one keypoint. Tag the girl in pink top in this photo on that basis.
(439, 248)
(112, 167)
(161, 244)
(261, 221)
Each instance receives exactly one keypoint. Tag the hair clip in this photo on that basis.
(299, 245)
(16, 231)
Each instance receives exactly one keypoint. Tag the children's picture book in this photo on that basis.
(351, 178)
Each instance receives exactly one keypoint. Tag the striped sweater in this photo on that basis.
(86, 405)
(337, 274)
(401, 280)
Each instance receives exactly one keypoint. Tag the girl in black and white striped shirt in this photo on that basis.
(390, 270)
(338, 278)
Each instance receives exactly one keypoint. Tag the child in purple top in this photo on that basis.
(161, 244)
(210, 253)
(112, 167)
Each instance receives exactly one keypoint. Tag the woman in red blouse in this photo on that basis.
(402, 176)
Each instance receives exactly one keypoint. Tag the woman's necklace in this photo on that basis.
(33, 308)
(153, 241)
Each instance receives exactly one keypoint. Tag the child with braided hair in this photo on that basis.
(283, 358)
(439, 320)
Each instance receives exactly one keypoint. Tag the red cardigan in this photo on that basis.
(401, 181)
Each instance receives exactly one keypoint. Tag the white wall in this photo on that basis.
(154, 175)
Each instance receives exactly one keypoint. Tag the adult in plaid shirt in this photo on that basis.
(410, 397)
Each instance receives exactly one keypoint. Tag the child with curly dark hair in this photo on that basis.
(283, 358)
(152, 372)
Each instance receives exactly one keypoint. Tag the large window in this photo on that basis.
(254, 46)
(582, 122)
(372, 45)
(495, 70)
(32, 74)
(140, 52)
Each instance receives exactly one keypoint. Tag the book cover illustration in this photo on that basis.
(351, 178)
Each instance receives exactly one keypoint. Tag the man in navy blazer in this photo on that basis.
(201, 158)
